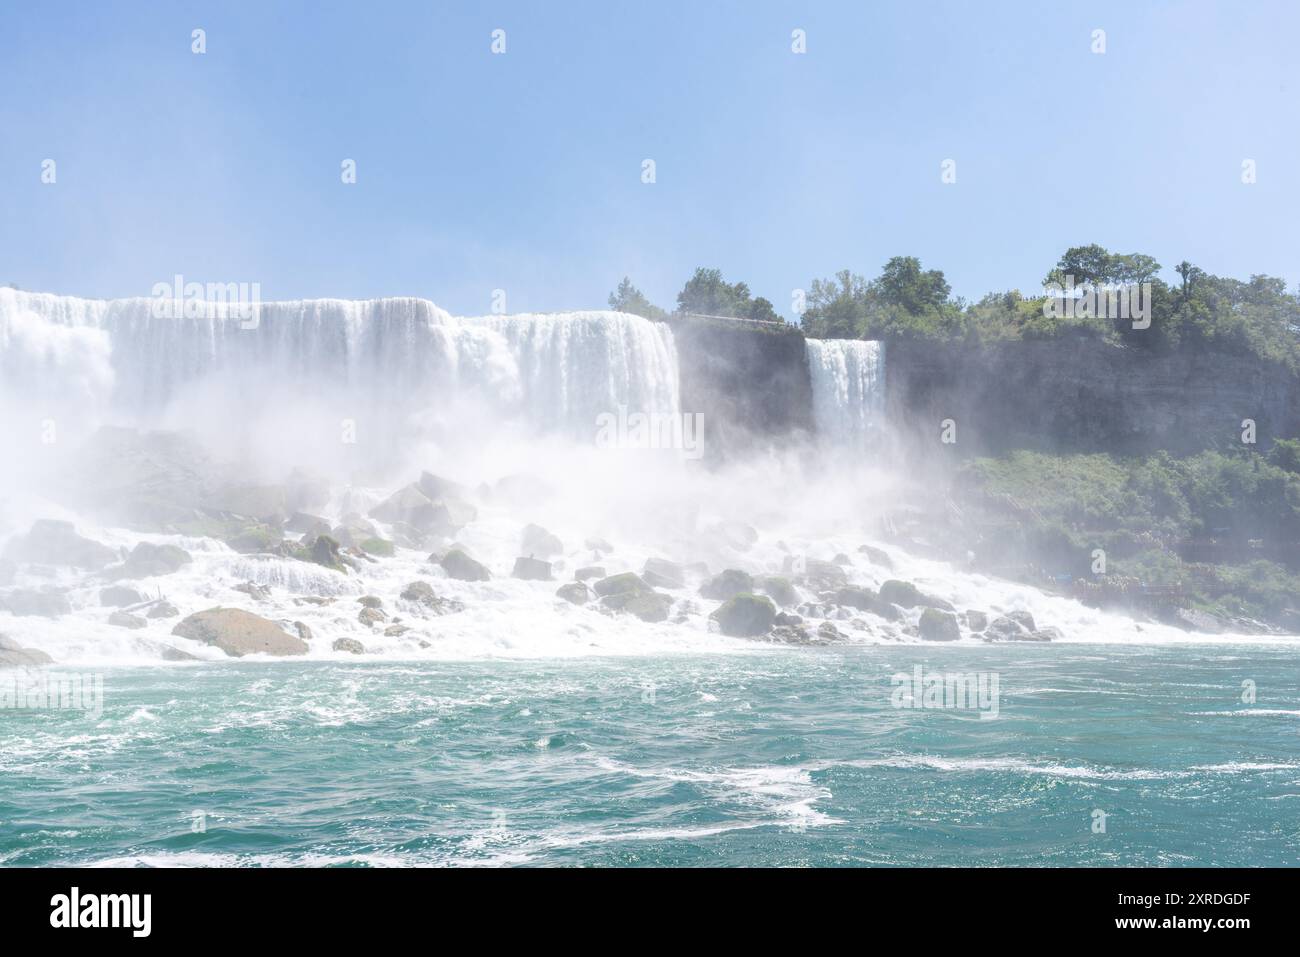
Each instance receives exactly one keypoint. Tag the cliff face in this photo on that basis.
(1086, 396)
(750, 382)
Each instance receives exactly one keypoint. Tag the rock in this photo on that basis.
(422, 593)
(575, 592)
(52, 542)
(619, 584)
(779, 589)
(649, 606)
(268, 504)
(395, 631)
(783, 618)
(588, 572)
(324, 551)
(255, 538)
(1006, 628)
(349, 645)
(1048, 633)
(238, 632)
(163, 609)
(120, 596)
(729, 583)
(746, 616)
(381, 547)
(303, 631)
(301, 523)
(13, 655)
(29, 603)
(907, 595)
(124, 619)
(460, 566)
(789, 634)
(538, 541)
(864, 599)
(976, 620)
(255, 591)
(735, 535)
(827, 632)
(877, 556)
(661, 573)
(351, 532)
(148, 560)
(598, 545)
(1193, 619)
(374, 601)
(817, 573)
(842, 559)
(938, 625)
(410, 507)
(532, 569)
(175, 654)
(1024, 619)
(371, 616)
(436, 488)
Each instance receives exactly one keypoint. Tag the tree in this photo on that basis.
(708, 294)
(628, 298)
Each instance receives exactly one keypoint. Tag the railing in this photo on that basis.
(702, 315)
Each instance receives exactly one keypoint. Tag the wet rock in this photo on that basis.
(379, 547)
(575, 592)
(619, 584)
(864, 599)
(790, 635)
(269, 504)
(976, 620)
(253, 539)
(301, 523)
(907, 595)
(436, 488)
(938, 625)
(727, 584)
(779, 589)
(649, 606)
(842, 559)
(661, 573)
(53, 542)
(736, 535)
(30, 603)
(422, 516)
(460, 566)
(371, 616)
(598, 545)
(238, 632)
(255, 591)
(1024, 619)
(14, 655)
(120, 596)
(148, 560)
(827, 632)
(374, 601)
(1047, 633)
(350, 533)
(532, 569)
(124, 619)
(1193, 619)
(877, 556)
(175, 654)
(324, 551)
(587, 572)
(303, 631)
(784, 618)
(746, 616)
(422, 593)
(818, 574)
(163, 609)
(396, 631)
(349, 645)
(539, 542)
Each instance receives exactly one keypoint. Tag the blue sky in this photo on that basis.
(522, 171)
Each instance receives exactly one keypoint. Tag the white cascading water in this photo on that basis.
(847, 390)
(380, 361)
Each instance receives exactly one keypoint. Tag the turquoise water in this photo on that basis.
(771, 758)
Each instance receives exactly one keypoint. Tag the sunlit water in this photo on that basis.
(769, 757)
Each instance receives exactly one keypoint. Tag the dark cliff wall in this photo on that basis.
(750, 382)
(1086, 396)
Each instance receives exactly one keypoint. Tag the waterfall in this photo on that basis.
(389, 363)
(848, 391)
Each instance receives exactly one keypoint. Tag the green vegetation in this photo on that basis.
(705, 293)
(1211, 523)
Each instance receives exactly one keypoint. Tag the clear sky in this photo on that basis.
(522, 171)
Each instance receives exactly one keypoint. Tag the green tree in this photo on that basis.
(707, 293)
(628, 298)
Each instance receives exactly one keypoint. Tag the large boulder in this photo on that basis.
(907, 595)
(746, 616)
(52, 542)
(255, 538)
(460, 566)
(124, 619)
(13, 655)
(618, 584)
(938, 625)
(537, 542)
(422, 593)
(649, 606)
(661, 573)
(348, 645)
(324, 551)
(120, 596)
(532, 569)
(148, 560)
(779, 589)
(864, 599)
(238, 633)
(30, 603)
(727, 584)
(877, 556)
(574, 592)
(588, 572)
(411, 509)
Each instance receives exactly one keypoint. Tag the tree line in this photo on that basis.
(1257, 316)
